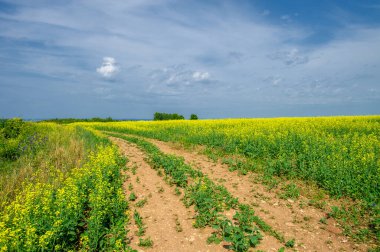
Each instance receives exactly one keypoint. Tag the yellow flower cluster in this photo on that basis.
(89, 204)
(341, 154)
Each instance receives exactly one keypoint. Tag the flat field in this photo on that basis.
(303, 184)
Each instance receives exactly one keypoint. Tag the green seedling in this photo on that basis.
(132, 196)
(146, 243)
(133, 169)
(290, 243)
(130, 187)
(142, 202)
(177, 191)
(139, 223)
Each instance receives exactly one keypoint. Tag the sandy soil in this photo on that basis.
(168, 222)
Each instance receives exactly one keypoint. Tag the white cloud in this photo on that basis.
(201, 76)
(108, 68)
(179, 79)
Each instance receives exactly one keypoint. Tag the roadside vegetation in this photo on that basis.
(61, 189)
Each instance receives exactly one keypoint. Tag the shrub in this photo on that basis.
(193, 117)
(12, 128)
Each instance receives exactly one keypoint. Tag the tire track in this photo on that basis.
(168, 222)
(283, 215)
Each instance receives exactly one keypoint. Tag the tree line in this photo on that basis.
(158, 116)
(73, 120)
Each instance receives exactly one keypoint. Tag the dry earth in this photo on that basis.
(164, 213)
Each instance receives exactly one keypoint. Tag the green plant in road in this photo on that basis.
(141, 203)
(132, 196)
(147, 242)
(139, 223)
(290, 243)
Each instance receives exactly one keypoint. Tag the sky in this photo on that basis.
(217, 59)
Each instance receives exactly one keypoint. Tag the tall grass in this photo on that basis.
(66, 195)
(62, 150)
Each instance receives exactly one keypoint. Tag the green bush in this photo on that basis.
(12, 128)
(193, 117)
(11, 133)
(9, 149)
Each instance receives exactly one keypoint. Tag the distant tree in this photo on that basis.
(95, 119)
(165, 116)
(158, 116)
(176, 116)
(193, 117)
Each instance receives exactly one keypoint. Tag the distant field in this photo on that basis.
(262, 183)
(341, 154)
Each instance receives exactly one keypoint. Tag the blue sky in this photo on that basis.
(129, 59)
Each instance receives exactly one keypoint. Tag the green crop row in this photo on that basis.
(210, 200)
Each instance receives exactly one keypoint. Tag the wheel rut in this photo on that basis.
(168, 222)
(286, 216)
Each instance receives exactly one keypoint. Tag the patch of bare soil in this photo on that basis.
(168, 222)
(286, 216)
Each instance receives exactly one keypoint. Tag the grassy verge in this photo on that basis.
(42, 150)
(78, 205)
